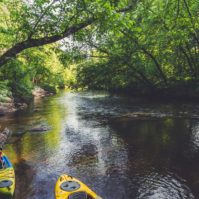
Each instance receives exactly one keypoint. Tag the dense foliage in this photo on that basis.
(134, 46)
(151, 48)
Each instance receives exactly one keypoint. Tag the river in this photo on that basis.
(122, 148)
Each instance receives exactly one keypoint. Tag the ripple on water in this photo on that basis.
(163, 186)
(194, 141)
(114, 158)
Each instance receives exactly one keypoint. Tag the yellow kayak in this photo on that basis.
(68, 187)
(7, 179)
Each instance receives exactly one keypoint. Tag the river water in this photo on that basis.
(122, 148)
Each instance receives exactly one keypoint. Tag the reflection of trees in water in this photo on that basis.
(24, 177)
(154, 142)
(48, 111)
(159, 145)
(109, 157)
(154, 137)
(25, 144)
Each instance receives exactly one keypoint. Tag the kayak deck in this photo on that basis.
(68, 187)
(7, 178)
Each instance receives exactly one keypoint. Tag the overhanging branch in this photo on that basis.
(29, 43)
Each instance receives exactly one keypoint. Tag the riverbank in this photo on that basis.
(184, 93)
(6, 99)
(173, 94)
(9, 104)
(7, 107)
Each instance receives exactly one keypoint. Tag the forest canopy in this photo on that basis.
(145, 46)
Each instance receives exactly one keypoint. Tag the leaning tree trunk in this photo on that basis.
(29, 43)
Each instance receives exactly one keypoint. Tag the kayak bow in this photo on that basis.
(68, 187)
(7, 178)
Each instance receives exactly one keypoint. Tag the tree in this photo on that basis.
(155, 45)
(43, 22)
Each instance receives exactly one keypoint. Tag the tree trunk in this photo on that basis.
(29, 43)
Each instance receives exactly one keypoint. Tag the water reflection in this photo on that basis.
(121, 148)
(25, 175)
(166, 185)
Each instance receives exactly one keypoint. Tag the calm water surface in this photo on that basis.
(121, 148)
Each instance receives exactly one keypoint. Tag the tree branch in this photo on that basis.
(29, 43)
(128, 8)
(151, 56)
(40, 18)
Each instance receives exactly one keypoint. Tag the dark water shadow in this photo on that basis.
(24, 178)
